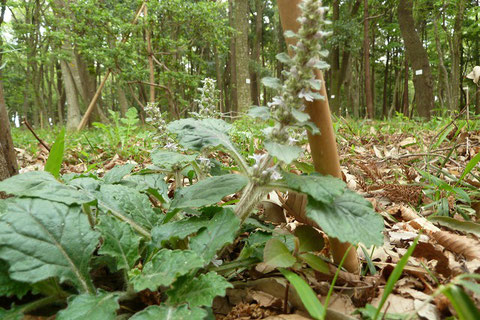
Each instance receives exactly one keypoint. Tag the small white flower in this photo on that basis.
(258, 157)
(292, 141)
(205, 162)
(274, 174)
(171, 146)
(306, 95)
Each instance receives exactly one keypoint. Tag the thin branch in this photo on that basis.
(25, 122)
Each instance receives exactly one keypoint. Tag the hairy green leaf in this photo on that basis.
(118, 172)
(130, 203)
(198, 134)
(119, 242)
(9, 287)
(208, 191)
(220, 231)
(55, 158)
(165, 267)
(164, 312)
(260, 113)
(272, 83)
(198, 291)
(283, 152)
(276, 254)
(349, 218)
(42, 239)
(323, 189)
(102, 306)
(167, 160)
(177, 229)
(38, 184)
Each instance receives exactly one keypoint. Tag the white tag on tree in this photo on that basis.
(247, 81)
(418, 72)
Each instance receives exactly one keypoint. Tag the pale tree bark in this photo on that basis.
(418, 57)
(240, 17)
(73, 107)
(366, 63)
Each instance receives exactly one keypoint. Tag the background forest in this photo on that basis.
(56, 54)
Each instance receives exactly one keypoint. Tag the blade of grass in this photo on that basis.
(306, 294)
(470, 165)
(397, 272)
(462, 303)
(55, 157)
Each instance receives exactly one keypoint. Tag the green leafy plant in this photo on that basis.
(120, 132)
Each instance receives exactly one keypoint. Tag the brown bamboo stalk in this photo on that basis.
(323, 146)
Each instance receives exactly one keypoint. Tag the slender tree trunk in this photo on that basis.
(7, 152)
(386, 82)
(335, 64)
(151, 66)
(255, 75)
(445, 79)
(122, 99)
(240, 16)
(405, 98)
(366, 63)
(456, 54)
(8, 159)
(218, 70)
(417, 55)
(233, 61)
(73, 108)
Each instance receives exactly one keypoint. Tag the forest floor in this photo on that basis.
(412, 174)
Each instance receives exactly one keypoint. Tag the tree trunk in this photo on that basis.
(122, 99)
(418, 57)
(366, 63)
(255, 75)
(233, 61)
(405, 99)
(240, 16)
(7, 152)
(386, 82)
(8, 159)
(445, 79)
(456, 54)
(73, 108)
(335, 64)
